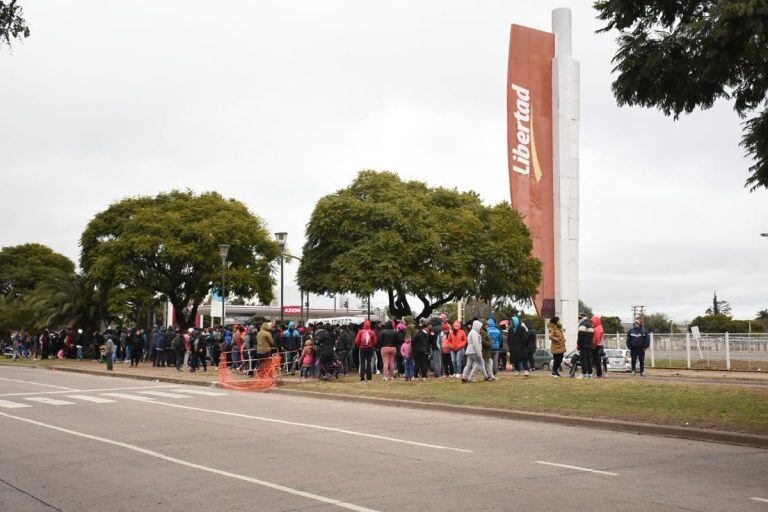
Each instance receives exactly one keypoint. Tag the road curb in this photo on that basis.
(694, 434)
(167, 380)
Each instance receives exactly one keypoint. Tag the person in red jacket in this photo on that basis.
(597, 341)
(457, 340)
(365, 341)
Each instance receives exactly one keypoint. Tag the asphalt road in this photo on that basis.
(81, 442)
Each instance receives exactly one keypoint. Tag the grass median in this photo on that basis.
(711, 406)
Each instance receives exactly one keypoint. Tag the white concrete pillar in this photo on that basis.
(653, 355)
(727, 351)
(688, 349)
(565, 104)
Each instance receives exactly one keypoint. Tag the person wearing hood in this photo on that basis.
(457, 341)
(597, 343)
(265, 344)
(495, 335)
(366, 341)
(557, 346)
(291, 345)
(474, 354)
(518, 346)
(420, 348)
(487, 352)
(344, 346)
(585, 344)
(638, 340)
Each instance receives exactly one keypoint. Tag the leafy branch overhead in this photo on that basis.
(405, 238)
(12, 22)
(679, 56)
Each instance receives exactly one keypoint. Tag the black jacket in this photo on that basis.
(344, 342)
(325, 342)
(420, 342)
(388, 338)
(518, 344)
(585, 338)
(531, 341)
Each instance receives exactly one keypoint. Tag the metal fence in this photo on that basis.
(713, 351)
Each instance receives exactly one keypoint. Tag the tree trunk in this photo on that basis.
(398, 304)
(430, 307)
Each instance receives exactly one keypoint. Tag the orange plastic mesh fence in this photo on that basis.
(265, 377)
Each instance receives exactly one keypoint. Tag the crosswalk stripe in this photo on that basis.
(128, 397)
(49, 401)
(164, 394)
(94, 399)
(198, 392)
(12, 405)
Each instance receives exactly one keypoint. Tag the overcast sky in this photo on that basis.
(279, 103)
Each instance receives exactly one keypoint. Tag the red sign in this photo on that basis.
(291, 310)
(529, 145)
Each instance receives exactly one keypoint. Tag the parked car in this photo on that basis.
(567, 360)
(542, 359)
(619, 359)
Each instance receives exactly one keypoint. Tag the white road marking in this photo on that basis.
(164, 394)
(762, 500)
(158, 455)
(12, 405)
(37, 383)
(49, 401)
(577, 468)
(94, 399)
(129, 397)
(317, 427)
(166, 386)
(198, 392)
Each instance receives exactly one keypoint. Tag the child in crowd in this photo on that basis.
(307, 359)
(407, 353)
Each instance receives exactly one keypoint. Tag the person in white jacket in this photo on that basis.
(474, 354)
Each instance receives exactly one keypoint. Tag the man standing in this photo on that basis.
(420, 348)
(365, 341)
(495, 335)
(597, 342)
(637, 341)
(584, 342)
(291, 345)
(110, 349)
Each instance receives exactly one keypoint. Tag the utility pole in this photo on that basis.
(638, 312)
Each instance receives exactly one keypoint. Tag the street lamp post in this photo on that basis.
(223, 251)
(281, 238)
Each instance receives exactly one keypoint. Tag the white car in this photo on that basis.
(619, 360)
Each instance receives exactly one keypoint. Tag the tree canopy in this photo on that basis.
(12, 22)
(724, 323)
(406, 238)
(166, 247)
(683, 55)
(658, 323)
(23, 267)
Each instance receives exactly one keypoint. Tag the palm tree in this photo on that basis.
(762, 317)
(66, 299)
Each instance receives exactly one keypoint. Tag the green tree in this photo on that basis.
(612, 324)
(437, 244)
(658, 323)
(166, 247)
(719, 307)
(12, 22)
(65, 299)
(679, 56)
(23, 267)
(585, 310)
(762, 318)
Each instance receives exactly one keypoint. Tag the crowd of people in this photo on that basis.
(399, 348)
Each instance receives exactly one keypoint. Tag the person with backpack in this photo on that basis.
(585, 345)
(638, 340)
(495, 335)
(179, 348)
(365, 341)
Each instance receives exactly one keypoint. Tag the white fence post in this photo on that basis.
(688, 349)
(727, 351)
(618, 343)
(653, 357)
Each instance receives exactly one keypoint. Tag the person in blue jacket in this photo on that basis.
(638, 340)
(495, 335)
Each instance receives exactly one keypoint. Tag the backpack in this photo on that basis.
(365, 339)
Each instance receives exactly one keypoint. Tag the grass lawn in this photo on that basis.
(712, 406)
